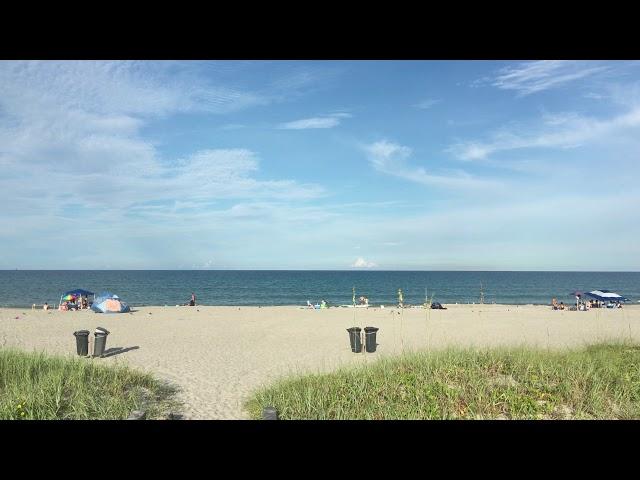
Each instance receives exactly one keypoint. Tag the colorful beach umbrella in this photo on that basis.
(68, 298)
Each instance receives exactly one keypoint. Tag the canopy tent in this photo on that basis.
(107, 302)
(72, 295)
(78, 292)
(606, 296)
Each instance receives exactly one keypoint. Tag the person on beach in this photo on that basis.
(192, 302)
(45, 306)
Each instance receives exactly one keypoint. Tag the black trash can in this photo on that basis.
(82, 342)
(354, 338)
(370, 338)
(100, 341)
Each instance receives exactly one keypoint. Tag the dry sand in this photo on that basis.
(219, 355)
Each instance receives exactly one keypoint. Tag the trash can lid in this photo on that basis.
(354, 329)
(102, 330)
(371, 329)
(81, 332)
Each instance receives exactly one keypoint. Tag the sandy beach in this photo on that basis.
(219, 355)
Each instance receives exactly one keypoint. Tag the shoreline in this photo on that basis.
(372, 306)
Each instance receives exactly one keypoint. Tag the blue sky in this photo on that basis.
(460, 165)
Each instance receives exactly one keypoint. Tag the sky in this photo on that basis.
(364, 165)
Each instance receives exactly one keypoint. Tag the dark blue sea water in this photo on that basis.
(21, 288)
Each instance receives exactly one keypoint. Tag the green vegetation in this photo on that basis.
(597, 382)
(43, 387)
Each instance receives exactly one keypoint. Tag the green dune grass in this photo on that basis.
(597, 382)
(37, 386)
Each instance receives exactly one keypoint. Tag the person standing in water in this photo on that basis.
(193, 300)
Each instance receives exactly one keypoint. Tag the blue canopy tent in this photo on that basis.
(107, 302)
(606, 296)
(78, 292)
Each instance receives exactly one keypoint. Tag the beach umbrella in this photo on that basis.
(68, 298)
(400, 297)
(354, 296)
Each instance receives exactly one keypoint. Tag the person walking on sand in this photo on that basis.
(193, 300)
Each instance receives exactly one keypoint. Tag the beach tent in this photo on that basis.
(606, 296)
(107, 302)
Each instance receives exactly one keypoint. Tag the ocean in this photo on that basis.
(22, 288)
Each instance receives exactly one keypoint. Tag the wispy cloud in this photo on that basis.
(391, 158)
(118, 88)
(562, 130)
(362, 263)
(83, 121)
(232, 126)
(532, 77)
(326, 121)
(428, 103)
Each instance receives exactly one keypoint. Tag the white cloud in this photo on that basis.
(362, 263)
(428, 103)
(326, 121)
(71, 137)
(564, 130)
(117, 87)
(390, 158)
(532, 77)
(306, 123)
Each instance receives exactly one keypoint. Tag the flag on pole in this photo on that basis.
(354, 296)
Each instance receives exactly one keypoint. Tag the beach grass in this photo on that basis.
(600, 381)
(38, 386)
